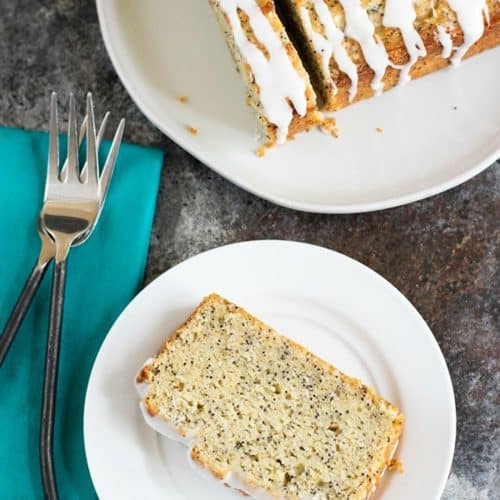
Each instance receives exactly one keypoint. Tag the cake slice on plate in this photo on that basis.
(355, 49)
(263, 414)
(278, 87)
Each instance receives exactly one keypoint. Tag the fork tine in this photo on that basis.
(100, 137)
(72, 168)
(107, 171)
(92, 161)
(81, 136)
(102, 129)
(53, 160)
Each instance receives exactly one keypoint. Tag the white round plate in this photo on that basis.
(333, 305)
(437, 132)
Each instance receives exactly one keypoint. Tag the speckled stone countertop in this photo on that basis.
(442, 253)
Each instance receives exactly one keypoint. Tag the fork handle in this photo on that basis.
(50, 382)
(22, 305)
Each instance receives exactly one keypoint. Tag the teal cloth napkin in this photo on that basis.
(103, 276)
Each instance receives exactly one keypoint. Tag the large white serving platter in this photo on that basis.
(437, 132)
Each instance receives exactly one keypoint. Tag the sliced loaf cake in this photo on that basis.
(355, 49)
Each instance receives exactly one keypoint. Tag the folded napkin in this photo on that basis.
(103, 276)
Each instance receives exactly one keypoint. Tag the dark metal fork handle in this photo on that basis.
(21, 307)
(50, 382)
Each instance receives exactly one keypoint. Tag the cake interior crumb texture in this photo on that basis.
(257, 405)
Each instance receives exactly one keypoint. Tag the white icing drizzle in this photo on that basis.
(277, 79)
(401, 14)
(360, 28)
(230, 479)
(445, 40)
(486, 12)
(330, 45)
(234, 481)
(470, 15)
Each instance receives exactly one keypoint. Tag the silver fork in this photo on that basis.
(47, 251)
(72, 205)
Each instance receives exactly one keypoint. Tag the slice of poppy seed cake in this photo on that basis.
(262, 413)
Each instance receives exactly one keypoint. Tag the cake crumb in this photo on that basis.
(379, 130)
(192, 130)
(183, 99)
(329, 126)
(396, 465)
(261, 151)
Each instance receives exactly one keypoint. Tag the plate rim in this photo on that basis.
(323, 208)
(447, 380)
